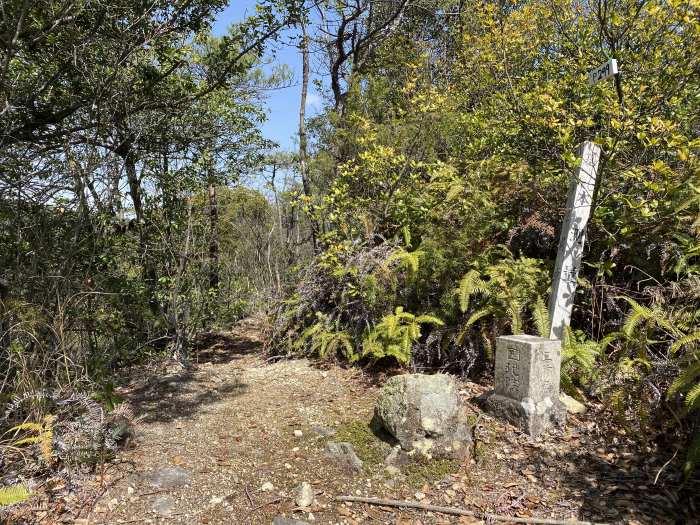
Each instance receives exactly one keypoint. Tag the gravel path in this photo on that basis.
(230, 441)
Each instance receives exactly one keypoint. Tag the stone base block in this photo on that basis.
(533, 418)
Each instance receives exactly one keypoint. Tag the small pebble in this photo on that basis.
(298, 433)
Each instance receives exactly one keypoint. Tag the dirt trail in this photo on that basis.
(218, 445)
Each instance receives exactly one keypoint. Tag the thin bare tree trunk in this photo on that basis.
(180, 319)
(134, 185)
(149, 268)
(214, 237)
(303, 153)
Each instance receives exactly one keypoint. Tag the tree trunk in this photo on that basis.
(149, 269)
(214, 237)
(303, 154)
(134, 185)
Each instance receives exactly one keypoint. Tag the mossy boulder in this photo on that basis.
(425, 415)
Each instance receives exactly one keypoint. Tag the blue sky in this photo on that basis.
(283, 104)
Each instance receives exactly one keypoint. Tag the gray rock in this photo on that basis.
(304, 495)
(322, 430)
(572, 405)
(533, 418)
(164, 505)
(344, 454)
(424, 414)
(397, 457)
(281, 520)
(169, 478)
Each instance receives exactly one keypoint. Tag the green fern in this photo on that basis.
(685, 380)
(328, 343)
(307, 335)
(578, 359)
(653, 316)
(540, 316)
(514, 309)
(502, 291)
(395, 334)
(692, 456)
(43, 438)
(409, 261)
(692, 398)
(323, 341)
(13, 494)
(645, 327)
(686, 340)
(469, 285)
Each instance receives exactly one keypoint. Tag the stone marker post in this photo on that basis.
(527, 383)
(572, 238)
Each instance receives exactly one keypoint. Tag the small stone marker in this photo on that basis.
(572, 238)
(527, 383)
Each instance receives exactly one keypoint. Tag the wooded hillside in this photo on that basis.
(417, 221)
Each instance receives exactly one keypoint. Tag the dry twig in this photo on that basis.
(460, 512)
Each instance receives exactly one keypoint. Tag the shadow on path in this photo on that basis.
(185, 393)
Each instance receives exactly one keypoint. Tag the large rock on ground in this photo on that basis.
(424, 414)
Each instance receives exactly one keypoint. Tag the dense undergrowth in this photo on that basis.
(430, 190)
(126, 132)
(449, 160)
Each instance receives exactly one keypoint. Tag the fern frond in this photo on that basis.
(470, 284)
(640, 313)
(30, 426)
(429, 319)
(476, 316)
(13, 494)
(307, 334)
(579, 356)
(611, 338)
(540, 315)
(692, 457)
(692, 400)
(406, 259)
(636, 315)
(43, 438)
(514, 310)
(685, 380)
(406, 231)
(685, 340)
(31, 440)
(346, 345)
